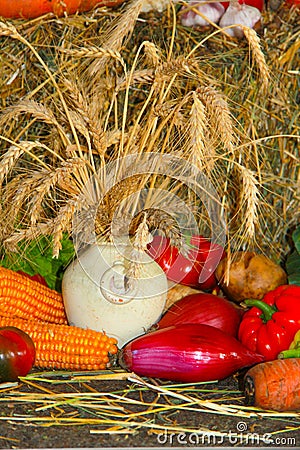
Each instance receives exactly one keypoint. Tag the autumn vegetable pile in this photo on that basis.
(78, 296)
(202, 337)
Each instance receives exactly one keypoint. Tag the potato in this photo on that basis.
(177, 292)
(251, 275)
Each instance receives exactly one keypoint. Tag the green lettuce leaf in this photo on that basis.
(35, 257)
(293, 260)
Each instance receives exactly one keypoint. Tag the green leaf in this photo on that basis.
(296, 239)
(293, 268)
(36, 257)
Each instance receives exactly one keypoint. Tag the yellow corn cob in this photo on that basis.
(65, 346)
(25, 298)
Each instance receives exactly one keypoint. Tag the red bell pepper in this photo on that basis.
(270, 325)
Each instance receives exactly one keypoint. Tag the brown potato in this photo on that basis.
(251, 275)
(177, 292)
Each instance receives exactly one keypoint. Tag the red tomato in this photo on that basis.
(17, 354)
(259, 4)
(195, 270)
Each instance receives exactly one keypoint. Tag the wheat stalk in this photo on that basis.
(153, 56)
(94, 53)
(11, 31)
(249, 200)
(218, 110)
(84, 121)
(254, 43)
(9, 159)
(200, 149)
(28, 234)
(47, 180)
(143, 76)
(40, 112)
(27, 106)
(141, 239)
(8, 29)
(23, 193)
(24, 184)
(81, 126)
(62, 223)
(115, 37)
(157, 219)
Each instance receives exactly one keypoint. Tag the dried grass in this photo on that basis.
(111, 88)
(80, 399)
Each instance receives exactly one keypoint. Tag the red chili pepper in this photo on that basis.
(17, 353)
(270, 325)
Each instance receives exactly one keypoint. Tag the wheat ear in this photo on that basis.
(254, 43)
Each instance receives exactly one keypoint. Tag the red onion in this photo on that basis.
(204, 308)
(187, 353)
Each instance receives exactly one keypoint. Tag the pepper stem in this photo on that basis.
(291, 353)
(267, 310)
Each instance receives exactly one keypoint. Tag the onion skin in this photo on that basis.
(187, 353)
(204, 308)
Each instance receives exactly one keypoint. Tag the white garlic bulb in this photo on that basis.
(240, 14)
(213, 12)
